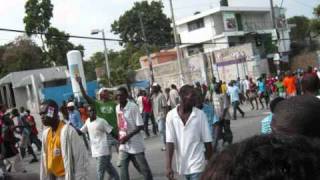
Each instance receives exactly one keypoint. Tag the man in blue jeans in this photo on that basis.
(233, 92)
(98, 129)
(131, 140)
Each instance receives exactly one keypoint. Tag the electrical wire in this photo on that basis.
(119, 40)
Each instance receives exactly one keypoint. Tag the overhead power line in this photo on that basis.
(70, 36)
(120, 40)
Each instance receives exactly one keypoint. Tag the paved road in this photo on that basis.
(242, 128)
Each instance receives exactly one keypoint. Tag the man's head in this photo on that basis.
(70, 106)
(122, 95)
(247, 77)
(28, 112)
(310, 84)
(92, 113)
(167, 90)
(15, 112)
(198, 85)
(265, 158)
(103, 94)
(21, 109)
(188, 96)
(155, 88)
(173, 86)
(297, 115)
(275, 102)
(199, 99)
(49, 112)
(217, 88)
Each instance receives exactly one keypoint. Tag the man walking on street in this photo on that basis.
(98, 130)
(233, 92)
(34, 131)
(105, 108)
(174, 96)
(187, 135)
(159, 110)
(147, 114)
(131, 148)
(64, 156)
(24, 130)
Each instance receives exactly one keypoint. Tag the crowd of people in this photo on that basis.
(193, 122)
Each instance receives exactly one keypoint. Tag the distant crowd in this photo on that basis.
(193, 122)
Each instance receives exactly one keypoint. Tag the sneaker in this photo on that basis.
(163, 149)
(34, 160)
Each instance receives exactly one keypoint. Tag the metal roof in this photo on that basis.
(23, 78)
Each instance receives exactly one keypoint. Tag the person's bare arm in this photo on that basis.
(130, 135)
(83, 92)
(169, 156)
(209, 152)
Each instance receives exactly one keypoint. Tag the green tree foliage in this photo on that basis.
(156, 23)
(37, 18)
(55, 42)
(58, 45)
(316, 11)
(21, 54)
(301, 30)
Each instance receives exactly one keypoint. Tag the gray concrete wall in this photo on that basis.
(21, 97)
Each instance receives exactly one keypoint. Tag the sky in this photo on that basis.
(79, 17)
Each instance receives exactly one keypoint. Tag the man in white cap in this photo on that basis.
(105, 108)
(74, 115)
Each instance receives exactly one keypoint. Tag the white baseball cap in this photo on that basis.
(102, 89)
(70, 104)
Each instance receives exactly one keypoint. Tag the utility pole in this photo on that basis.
(176, 42)
(146, 48)
(106, 58)
(275, 60)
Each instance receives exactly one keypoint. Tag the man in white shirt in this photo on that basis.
(189, 135)
(246, 87)
(131, 140)
(98, 129)
(174, 96)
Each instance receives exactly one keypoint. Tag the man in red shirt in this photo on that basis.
(147, 114)
(34, 131)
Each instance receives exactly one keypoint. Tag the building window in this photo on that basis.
(197, 24)
(196, 49)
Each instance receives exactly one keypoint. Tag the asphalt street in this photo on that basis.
(242, 128)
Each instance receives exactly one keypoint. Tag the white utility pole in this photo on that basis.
(176, 41)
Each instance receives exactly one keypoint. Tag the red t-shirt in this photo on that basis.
(147, 107)
(31, 121)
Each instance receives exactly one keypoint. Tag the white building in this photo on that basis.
(224, 27)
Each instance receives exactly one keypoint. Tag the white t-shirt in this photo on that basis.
(188, 140)
(98, 130)
(174, 98)
(140, 104)
(128, 120)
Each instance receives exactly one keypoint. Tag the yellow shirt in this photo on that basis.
(55, 164)
(224, 88)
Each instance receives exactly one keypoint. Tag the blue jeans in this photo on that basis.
(139, 161)
(162, 129)
(104, 164)
(195, 176)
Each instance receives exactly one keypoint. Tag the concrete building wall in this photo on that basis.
(21, 97)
